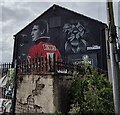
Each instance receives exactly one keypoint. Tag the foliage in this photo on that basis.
(57, 113)
(91, 93)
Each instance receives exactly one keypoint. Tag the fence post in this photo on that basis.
(54, 63)
(39, 65)
(42, 63)
(2, 69)
(14, 87)
(46, 64)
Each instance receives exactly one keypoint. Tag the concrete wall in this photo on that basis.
(0, 92)
(61, 92)
(35, 94)
(42, 94)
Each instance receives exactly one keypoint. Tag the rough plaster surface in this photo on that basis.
(40, 88)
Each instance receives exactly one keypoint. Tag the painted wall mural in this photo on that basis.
(75, 41)
(65, 33)
(38, 39)
(40, 42)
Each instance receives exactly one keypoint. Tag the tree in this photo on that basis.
(91, 92)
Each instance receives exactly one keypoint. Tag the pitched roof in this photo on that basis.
(55, 6)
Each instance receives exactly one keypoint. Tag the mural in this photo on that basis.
(75, 41)
(39, 30)
(63, 33)
(75, 37)
(38, 42)
(79, 58)
(22, 46)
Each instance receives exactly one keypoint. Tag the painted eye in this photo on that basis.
(34, 29)
(80, 28)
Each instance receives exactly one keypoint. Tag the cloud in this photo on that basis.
(61, 0)
(18, 13)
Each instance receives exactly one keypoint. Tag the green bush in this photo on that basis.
(91, 93)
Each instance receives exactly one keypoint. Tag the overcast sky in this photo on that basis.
(15, 15)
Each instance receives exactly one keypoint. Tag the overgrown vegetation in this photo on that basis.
(91, 93)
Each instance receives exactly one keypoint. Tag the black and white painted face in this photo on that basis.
(35, 32)
(75, 41)
(78, 28)
(75, 32)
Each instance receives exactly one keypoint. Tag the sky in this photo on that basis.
(15, 15)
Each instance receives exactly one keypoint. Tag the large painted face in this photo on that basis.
(75, 41)
(75, 32)
(35, 32)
